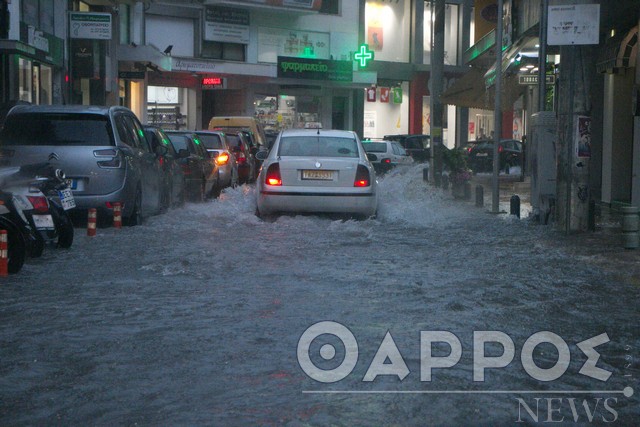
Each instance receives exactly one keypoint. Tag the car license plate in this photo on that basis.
(482, 154)
(43, 222)
(67, 199)
(317, 175)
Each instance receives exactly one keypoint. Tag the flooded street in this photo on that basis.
(195, 318)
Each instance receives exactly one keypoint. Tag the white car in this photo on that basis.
(317, 171)
(385, 155)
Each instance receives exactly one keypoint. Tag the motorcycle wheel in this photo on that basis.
(17, 246)
(64, 226)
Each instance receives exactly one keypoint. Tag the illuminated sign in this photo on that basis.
(213, 83)
(363, 55)
(315, 69)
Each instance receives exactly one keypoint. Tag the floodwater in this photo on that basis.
(195, 319)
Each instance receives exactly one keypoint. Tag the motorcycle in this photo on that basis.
(40, 197)
(17, 251)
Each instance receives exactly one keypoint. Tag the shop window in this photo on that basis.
(226, 51)
(451, 33)
(330, 7)
(387, 29)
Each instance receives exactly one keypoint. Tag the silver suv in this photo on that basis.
(102, 150)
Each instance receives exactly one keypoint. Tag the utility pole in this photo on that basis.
(435, 90)
(577, 69)
(497, 118)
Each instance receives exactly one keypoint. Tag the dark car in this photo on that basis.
(418, 146)
(217, 145)
(201, 175)
(247, 166)
(480, 157)
(173, 187)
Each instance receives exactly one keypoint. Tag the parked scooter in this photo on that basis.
(15, 233)
(40, 197)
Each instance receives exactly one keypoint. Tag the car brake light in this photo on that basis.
(241, 158)
(500, 148)
(39, 203)
(273, 175)
(362, 177)
(387, 161)
(222, 159)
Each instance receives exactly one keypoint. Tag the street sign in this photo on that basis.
(532, 79)
(131, 75)
(85, 25)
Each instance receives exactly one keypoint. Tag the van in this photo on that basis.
(235, 124)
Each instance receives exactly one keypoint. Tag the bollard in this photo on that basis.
(515, 205)
(630, 227)
(91, 222)
(445, 182)
(591, 216)
(425, 174)
(4, 253)
(117, 215)
(479, 196)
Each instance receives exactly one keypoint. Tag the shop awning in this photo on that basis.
(470, 91)
(619, 53)
(144, 54)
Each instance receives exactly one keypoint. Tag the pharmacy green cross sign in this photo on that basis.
(363, 55)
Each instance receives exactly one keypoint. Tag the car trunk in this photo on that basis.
(323, 172)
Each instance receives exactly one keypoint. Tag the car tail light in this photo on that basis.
(222, 159)
(273, 175)
(363, 178)
(500, 148)
(39, 203)
(241, 158)
(387, 161)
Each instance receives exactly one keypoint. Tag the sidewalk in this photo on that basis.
(602, 247)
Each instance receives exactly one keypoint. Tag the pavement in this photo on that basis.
(604, 246)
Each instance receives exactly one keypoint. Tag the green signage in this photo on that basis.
(363, 55)
(314, 69)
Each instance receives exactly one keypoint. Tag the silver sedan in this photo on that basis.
(317, 171)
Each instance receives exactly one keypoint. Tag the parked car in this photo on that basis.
(385, 155)
(247, 164)
(318, 171)
(480, 157)
(102, 150)
(200, 171)
(418, 146)
(217, 144)
(173, 186)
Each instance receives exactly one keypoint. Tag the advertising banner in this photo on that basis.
(315, 69)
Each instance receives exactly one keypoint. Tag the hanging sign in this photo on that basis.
(384, 94)
(397, 95)
(371, 94)
(85, 25)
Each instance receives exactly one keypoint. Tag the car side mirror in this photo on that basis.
(262, 155)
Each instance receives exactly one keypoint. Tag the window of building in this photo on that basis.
(387, 29)
(226, 51)
(331, 7)
(125, 24)
(451, 33)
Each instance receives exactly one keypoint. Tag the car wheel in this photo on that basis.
(64, 228)
(507, 168)
(136, 215)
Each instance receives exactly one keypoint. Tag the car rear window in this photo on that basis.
(320, 146)
(375, 147)
(57, 129)
(211, 141)
(180, 142)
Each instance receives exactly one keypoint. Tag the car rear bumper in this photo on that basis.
(360, 203)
